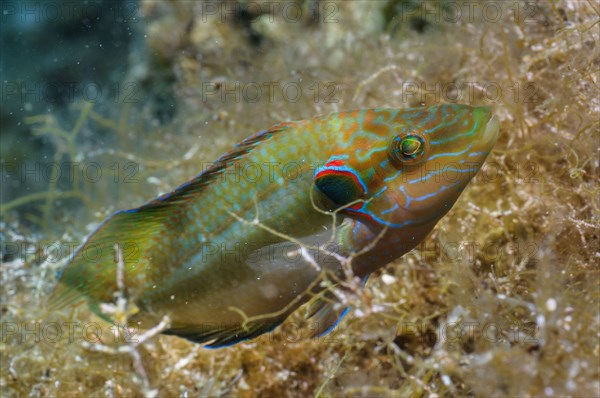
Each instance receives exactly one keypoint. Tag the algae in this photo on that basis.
(500, 300)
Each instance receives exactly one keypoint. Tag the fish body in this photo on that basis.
(221, 254)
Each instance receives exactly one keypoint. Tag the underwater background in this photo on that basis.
(106, 105)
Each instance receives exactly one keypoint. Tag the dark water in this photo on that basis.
(56, 55)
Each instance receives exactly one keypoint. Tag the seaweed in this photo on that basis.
(500, 300)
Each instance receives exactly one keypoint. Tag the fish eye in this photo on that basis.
(408, 148)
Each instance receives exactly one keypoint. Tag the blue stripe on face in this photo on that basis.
(395, 207)
(444, 123)
(432, 194)
(439, 155)
(367, 155)
(382, 190)
(434, 173)
(396, 225)
(455, 137)
(411, 116)
(407, 196)
(390, 178)
(338, 157)
(364, 210)
(472, 154)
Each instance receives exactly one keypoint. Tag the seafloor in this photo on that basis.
(502, 299)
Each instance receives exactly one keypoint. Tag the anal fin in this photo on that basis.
(219, 337)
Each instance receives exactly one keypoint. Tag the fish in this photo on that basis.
(230, 254)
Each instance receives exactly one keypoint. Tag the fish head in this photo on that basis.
(433, 155)
(410, 165)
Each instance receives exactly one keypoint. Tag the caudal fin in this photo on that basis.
(91, 272)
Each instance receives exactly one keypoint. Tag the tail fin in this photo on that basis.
(91, 272)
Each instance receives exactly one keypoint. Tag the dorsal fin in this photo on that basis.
(189, 190)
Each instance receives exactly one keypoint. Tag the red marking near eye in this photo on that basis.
(334, 163)
(323, 173)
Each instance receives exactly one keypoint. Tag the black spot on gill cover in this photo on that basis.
(341, 189)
